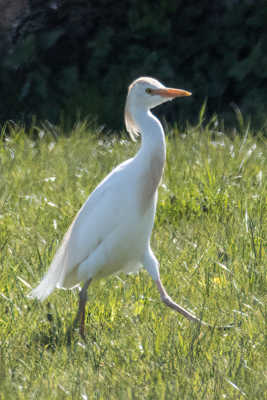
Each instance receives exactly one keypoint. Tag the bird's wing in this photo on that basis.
(99, 216)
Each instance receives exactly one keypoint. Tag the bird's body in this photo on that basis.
(112, 230)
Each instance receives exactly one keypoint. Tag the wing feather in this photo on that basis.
(96, 219)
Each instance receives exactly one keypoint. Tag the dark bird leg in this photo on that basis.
(80, 316)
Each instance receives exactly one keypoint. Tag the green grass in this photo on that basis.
(210, 238)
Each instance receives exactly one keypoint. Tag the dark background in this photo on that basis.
(61, 60)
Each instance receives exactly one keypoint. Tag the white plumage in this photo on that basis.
(112, 230)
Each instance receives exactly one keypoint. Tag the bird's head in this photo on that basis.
(146, 93)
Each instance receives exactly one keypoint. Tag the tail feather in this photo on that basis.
(50, 281)
(62, 272)
(43, 290)
(55, 275)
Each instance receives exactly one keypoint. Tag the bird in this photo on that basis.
(111, 232)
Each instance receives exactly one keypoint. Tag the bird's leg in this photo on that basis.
(151, 265)
(170, 303)
(80, 317)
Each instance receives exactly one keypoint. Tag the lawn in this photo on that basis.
(210, 239)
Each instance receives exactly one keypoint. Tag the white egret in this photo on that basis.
(111, 232)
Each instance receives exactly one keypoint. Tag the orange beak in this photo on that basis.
(171, 93)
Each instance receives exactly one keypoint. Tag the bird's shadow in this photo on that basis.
(54, 337)
(55, 332)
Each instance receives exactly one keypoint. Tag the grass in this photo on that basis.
(210, 238)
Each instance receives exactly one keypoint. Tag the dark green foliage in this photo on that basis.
(74, 55)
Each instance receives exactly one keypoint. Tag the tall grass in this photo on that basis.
(210, 238)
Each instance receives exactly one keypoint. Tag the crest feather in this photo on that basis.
(131, 127)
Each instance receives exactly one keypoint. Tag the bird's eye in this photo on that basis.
(149, 91)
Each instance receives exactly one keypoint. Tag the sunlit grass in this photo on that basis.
(210, 238)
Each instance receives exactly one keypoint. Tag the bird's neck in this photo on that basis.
(150, 159)
(153, 139)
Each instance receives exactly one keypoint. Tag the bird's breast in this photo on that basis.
(149, 182)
